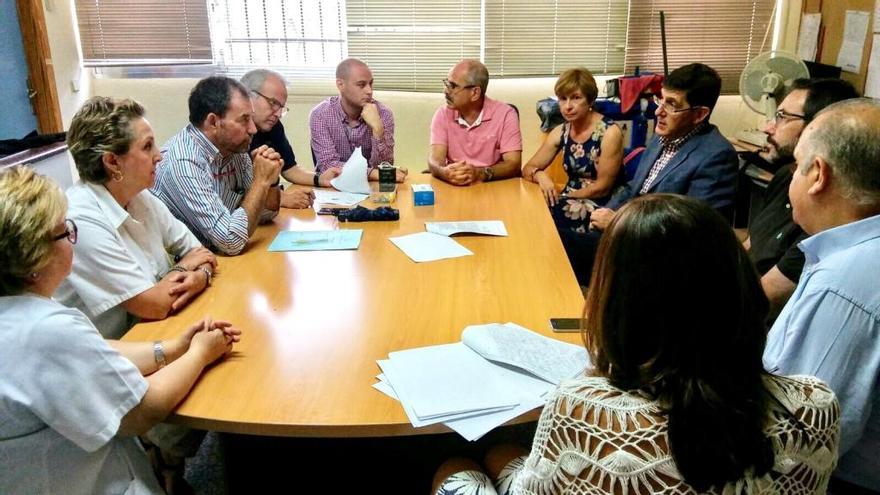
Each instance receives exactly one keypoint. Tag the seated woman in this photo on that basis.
(71, 403)
(122, 269)
(592, 154)
(677, 400)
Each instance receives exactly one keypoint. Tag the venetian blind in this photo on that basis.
(140, 32)
(545, 37)
(412, 45)
(724, 34)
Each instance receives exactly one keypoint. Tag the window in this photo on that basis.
(723, 34)
(412, 45)
(545, 37)
(139, 32)
(295, 37)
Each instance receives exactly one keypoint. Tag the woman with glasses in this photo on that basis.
(592, 151)
(71, 403)
(677, 400)
(123, 270)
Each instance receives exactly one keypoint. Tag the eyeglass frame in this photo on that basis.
(666, 108)
(275, 104)
(71, 232)
(783, 116)
(452, 85)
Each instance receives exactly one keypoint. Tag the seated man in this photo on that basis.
(473, 138)
(830, 327)
(687, 155)
(773, 235)
(341, 123)
(268, 92)
(206, 177)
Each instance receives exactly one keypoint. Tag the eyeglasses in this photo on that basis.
(70, 232)
(451, 86)
(668, 108)
(275, 104)
(782, 115)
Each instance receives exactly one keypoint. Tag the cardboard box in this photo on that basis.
(423, 195)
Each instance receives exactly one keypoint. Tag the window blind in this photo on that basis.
(412, 45)
(143, 32)
(723, 34)
(545, 37)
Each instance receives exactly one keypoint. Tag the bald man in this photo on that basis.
(353, 119)
(830, 328)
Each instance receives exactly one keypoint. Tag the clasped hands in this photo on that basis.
(211, 339)
(463, 173)
(186, 285)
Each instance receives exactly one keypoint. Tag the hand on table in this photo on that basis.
(297, 198)
(197, 257)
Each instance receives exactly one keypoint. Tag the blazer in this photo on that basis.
(705, 167)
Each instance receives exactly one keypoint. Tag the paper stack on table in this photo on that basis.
(496, 373)
(331, 197)
(435, 243)
(485, 227)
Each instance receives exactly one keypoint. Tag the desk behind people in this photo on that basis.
(314, 323)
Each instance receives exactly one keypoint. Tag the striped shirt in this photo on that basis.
(670, 148)
(334, 140)
(204, 190)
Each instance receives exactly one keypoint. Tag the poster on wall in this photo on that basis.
(808, 37)
(854, 32)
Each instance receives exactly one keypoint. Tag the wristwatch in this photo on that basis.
(488, 173)
(315, 179)
(159, 353)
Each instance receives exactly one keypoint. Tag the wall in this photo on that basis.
(67, 61)
(18, 116)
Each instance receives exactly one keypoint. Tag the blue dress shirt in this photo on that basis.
(830, 328)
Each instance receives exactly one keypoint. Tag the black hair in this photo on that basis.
(212, 95)
(700, 83)
(821, 93)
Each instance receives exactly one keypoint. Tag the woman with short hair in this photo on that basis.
(592, 154)
(71, 403)
(677, 400)
(123, 269)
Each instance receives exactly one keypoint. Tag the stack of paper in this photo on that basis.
(436, 244)
(496, 373)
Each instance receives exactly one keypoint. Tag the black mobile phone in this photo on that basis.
(330, 211)
(565, 325)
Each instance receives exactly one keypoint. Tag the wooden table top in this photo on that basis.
(314, 323)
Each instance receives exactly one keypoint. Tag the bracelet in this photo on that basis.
(177, 268)
(208, 275)
(159, 354)
(315, 179)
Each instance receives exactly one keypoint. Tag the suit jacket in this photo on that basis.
(705, 167)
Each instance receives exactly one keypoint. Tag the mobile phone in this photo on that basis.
(330, 211)
(565, 325)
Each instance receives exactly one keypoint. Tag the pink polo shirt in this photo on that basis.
(482, 145)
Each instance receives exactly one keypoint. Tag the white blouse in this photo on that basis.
(63, 394)
(119, 253)
(595, 438)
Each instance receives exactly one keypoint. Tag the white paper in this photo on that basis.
(808, 37)
(872, 83)
(427, 246)
(549, 359)
(328, 197)
(854, 32)
(440, 380)
(876, 16)
(353, 178)
(484, 227)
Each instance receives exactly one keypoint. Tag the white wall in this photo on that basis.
(66, 58)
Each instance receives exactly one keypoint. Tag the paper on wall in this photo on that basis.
(808, 37)
(872, 83)
(854, 32)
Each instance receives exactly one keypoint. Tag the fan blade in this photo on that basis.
(787, 68)
(753, 85)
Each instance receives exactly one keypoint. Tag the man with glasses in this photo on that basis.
(268, 91)
(687, 155)
(340, 124)
(473, 138)
(773, 235)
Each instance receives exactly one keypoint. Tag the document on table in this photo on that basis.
(353, 178)
(329, 197)
(316, 240)
(484, 227)
(427, 246)
(855, 29)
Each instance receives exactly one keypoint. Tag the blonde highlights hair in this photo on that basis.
(102, 125)
(31, 205)
(576, 79)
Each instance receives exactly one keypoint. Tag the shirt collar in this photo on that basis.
(205, 146)
(336, 102)
(486, 114)
(837, 239)
(677, 142)
(108, 204)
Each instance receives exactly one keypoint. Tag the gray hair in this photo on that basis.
(477, 75)
(848, 138)
(102, 125)
(255, 79)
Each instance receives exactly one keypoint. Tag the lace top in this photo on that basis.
(594, 438)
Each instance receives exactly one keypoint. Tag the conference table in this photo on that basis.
(314, 323)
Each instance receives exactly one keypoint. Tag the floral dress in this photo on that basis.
(579, 160)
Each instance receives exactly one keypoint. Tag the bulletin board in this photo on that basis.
(831, 33)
